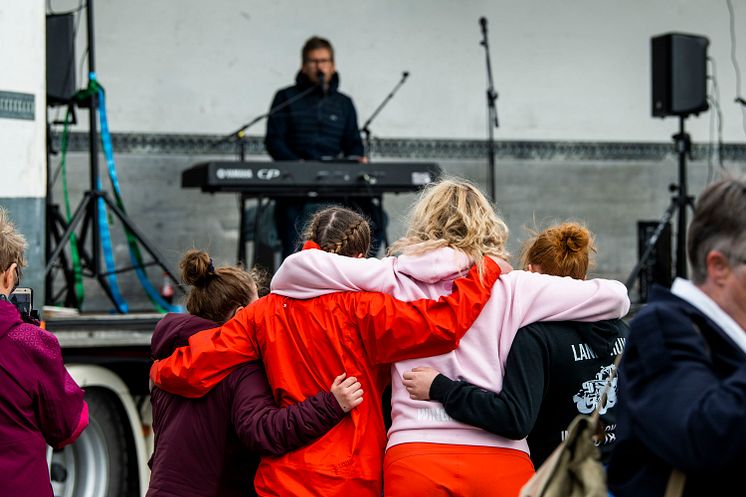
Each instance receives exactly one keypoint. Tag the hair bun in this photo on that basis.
(574, 237)
(196, 268)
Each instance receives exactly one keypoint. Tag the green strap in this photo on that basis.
(74, 255)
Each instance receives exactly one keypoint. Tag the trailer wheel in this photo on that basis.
(96, 465)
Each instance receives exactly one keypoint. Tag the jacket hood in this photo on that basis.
(436, 265)
(602, 335)
(303, 82)
(174, 330)
(311, 273)
(10, 318)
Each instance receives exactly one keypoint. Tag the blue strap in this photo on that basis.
(111, 277)
(134, 250)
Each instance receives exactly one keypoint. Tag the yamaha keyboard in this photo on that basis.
(278, 179)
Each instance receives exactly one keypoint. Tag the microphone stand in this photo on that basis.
(238, 136)
(492, 121)
(240, 133)
(366, 127)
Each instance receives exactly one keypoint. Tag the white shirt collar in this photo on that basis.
(686, 290)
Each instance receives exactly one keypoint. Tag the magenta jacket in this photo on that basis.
(211, 446)
(40, 405)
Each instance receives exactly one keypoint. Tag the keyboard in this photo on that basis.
(277, 179)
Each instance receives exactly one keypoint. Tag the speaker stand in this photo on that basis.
(680, 200)
(87, 212)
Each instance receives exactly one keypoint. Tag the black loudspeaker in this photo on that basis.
(658, 268)
(679, 70)
(60, 58)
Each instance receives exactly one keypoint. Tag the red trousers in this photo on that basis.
(441, 470)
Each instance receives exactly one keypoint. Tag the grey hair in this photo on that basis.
(12, 243)
(719, 223)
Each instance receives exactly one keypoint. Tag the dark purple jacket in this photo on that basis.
(211, 446)
(40, 405)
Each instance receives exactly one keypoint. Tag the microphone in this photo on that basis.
(322, 81)
(483, 23)
(368, 179)
(404, 75)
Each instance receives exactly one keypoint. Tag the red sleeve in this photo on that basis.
(394, 331)
(211, 355)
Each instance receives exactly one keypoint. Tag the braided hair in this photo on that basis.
(340, 231)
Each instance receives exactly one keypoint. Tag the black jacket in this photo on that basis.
(318, 126)
(683, 404)
(211, 446)
(554, 372)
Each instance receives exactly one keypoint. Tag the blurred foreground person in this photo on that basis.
(682, 382)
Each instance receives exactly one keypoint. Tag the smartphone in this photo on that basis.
(23, 299)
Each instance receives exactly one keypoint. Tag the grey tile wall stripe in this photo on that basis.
(419, 148)
(14, 105)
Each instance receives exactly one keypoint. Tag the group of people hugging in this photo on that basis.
(287, 394)
(436, 371)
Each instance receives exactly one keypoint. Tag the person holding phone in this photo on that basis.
(40, 403)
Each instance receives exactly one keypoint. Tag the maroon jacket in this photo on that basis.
(211, 446)
(40, 405)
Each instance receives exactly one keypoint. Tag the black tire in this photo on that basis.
(97, 464)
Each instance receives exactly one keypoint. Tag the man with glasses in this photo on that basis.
(318, 125)
(322, 124)
(682, 383)
(40, 403)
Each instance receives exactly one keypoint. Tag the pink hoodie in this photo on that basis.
(518, 298)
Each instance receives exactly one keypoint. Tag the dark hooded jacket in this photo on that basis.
(40, 405)
(320, 125)
(683, 404)
(554, 372)
(211, 446)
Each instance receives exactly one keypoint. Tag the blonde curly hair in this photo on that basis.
(454, 213)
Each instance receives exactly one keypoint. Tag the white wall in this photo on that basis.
(576, 70)
(22, 70)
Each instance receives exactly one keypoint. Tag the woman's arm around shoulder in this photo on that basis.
(210, 357)
(541, 297)
(393, 330)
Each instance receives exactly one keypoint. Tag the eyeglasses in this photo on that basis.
(319, 62)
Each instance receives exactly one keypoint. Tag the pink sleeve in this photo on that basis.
(541, 297)
(311, 273)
